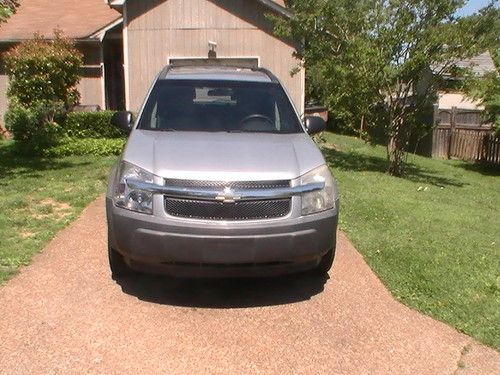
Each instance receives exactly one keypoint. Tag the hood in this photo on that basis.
(223, 156)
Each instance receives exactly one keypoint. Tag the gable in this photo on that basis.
(209, 15)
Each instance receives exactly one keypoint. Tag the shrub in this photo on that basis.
(86, 146)
(92, 125)
(33, 127)
(44, 70)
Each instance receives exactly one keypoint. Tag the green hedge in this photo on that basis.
(86, 146)
(92, 125)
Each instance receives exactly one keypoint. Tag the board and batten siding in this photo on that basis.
(158, 30)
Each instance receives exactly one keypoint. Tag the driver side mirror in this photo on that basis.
(123, 120)
(314, 124)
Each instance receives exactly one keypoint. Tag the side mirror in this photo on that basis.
(315, 124)
(123, 120)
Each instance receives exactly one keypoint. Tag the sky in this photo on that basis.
(472, 6)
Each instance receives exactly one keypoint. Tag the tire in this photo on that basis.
(117, 264)
(325, 264)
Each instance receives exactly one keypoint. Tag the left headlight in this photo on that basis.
(133, 199)
(320, 200)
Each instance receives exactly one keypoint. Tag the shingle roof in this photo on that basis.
(480, 64)
(79, 19)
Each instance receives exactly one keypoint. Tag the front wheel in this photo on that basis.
(325, 264)
(117, 264)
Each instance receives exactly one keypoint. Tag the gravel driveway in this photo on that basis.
(64, 314)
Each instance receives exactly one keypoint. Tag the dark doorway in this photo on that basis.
(114, 77)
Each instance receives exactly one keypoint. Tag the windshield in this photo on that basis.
(215, 106)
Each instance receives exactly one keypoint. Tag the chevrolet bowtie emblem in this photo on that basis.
(228, 196)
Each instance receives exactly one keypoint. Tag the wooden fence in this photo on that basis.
(461, 134)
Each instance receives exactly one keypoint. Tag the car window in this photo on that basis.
(215, 106)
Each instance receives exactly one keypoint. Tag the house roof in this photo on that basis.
(78, 19)
(480, 64)
(276, 5)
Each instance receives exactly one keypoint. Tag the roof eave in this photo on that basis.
(115, 4)
(118, 5)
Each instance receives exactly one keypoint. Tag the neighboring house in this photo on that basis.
(479, 65)
(127, 42)
(157, 32)
(96, 29)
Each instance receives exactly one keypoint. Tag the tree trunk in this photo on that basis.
(396, 151)
(361, 127)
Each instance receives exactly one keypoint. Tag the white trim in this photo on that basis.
(99, 34)
(303, 89)
(126, 59)
(103, 77)
(170, 58)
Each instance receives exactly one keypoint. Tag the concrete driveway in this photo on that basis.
(64, 314)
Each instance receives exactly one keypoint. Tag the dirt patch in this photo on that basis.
(26, 234)
(329, 146)
(50, 208)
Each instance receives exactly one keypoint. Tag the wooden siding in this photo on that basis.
(158, 30)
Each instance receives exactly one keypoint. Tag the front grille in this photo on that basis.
(220, 185)
(243, 210)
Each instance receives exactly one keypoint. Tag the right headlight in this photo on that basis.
(319, 200)
(133, 199)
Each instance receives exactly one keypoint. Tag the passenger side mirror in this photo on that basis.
(123, 120)
(314, 124)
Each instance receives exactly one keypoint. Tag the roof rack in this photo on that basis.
(163, 74)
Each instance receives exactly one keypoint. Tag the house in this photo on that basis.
(127, 42)
(479, 66)
(157, 32)
(96, 29)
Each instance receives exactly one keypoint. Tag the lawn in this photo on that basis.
(38, 197)
(433, 237)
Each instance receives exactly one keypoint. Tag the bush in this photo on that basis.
(86, 146)
(92, 125)
(44, 70)
(34, 128)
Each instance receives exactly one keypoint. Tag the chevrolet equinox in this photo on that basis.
(220, 178)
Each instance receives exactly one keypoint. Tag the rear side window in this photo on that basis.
(219, 106)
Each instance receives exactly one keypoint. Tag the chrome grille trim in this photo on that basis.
(224, 195)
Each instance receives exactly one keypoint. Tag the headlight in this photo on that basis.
(131, 199)
(319, 200)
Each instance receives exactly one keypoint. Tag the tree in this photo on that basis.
(381, 60)
(44, 70)
(486, 90)
(43, 77)
(7, 8)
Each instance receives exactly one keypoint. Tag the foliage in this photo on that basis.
(40, 196)
(86, 146)
(7, 8)
(92, 125)
(44, 70)
(486, 90)
(34, 127)
(43, 75)
(376, 62)
(432, 237)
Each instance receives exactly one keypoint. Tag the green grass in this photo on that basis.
(433, 237)
(38, 197)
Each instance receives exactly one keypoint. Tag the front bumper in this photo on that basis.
(205, 248)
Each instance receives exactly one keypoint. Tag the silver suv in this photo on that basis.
(220, 178)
